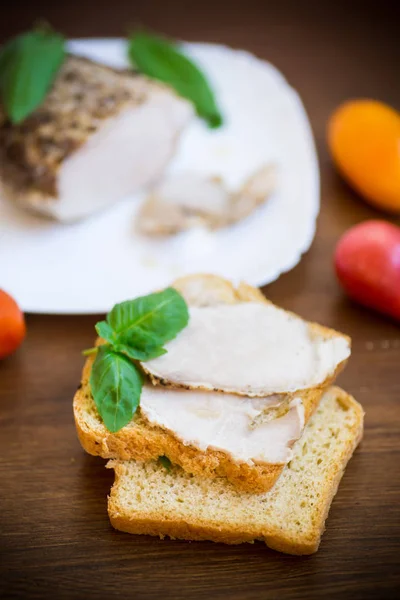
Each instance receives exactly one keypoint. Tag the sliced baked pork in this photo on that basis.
(99, 135)
(251, 349)
(188, 199)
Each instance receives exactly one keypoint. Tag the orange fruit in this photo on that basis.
(364, 139)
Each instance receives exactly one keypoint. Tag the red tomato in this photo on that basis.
(367, 262)
(12, 325)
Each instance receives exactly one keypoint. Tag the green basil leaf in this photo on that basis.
(134, 330)
(161, 59)
(141, 338)
(165, 462)
(29, 64)
(116, 385)
(137, 354)
(149, 321)
(105, 331)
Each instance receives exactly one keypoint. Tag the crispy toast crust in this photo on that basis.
(142, 441)
(277, 538)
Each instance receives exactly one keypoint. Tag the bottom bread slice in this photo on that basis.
(146, 498)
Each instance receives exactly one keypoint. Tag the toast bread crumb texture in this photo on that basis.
(148, 499)
(139, 440)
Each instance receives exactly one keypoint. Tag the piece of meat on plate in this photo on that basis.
(188, 199)
(99, 135)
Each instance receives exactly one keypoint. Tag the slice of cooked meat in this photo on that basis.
(254, 192)
(183, 201)
(252, 430)
(99, 135)
(249, 348)
(187, 199)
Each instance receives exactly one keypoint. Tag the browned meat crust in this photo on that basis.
(83, 96)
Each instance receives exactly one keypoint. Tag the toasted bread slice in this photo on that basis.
(148, 499)
(139, 440)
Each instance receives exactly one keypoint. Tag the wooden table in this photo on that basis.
(56, 538)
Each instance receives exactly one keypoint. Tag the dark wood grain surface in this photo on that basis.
(56, 541)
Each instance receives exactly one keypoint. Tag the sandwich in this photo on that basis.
(99, 135)
(237, 434)
(232, 393)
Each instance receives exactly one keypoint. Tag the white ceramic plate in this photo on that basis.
(89, 266)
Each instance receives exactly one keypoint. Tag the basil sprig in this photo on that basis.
(29, 64)
(161, 59)
(136, 329)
